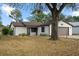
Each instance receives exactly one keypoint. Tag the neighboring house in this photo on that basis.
(75, 28)
(37, 28)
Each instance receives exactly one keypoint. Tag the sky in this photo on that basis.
(6, 20)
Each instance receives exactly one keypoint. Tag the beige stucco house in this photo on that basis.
(37, 28)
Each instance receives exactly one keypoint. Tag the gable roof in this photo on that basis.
(26, 24)
(68, 23)
(32, 24)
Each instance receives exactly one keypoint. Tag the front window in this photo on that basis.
(33, 29)
(42, 29)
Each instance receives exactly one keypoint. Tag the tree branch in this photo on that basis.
(48, 5)
(54, 5)
(61, 7)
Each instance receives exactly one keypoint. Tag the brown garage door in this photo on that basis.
(63, 31)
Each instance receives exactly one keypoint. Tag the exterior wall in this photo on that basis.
(46, 32)
(39, 30)
(75, 30)
(63, 24)
(20, 30)
(12, 27)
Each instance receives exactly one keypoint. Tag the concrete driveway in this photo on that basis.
(73, 36)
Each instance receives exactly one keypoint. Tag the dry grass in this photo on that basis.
(38, 46)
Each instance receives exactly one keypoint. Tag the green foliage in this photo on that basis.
(72, 19)
(0, 23)
(69, 19)
(76, 18)
(16, 14)
(7, 31)
(10, 32)
(38, 16)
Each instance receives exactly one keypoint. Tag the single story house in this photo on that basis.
(75, 28)
(37, 28)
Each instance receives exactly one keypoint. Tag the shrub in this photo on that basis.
(10, 32)
(5, 31)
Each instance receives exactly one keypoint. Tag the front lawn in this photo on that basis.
(40, 45)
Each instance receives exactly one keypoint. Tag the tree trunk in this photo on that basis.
(54, 27)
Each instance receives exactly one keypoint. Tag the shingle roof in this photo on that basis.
(28, 24)
(74, 23)
(36, 24)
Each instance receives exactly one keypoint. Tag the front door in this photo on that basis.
(33, 31)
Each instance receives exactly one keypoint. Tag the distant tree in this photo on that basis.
(69, 19)
(16, 15)
(76, 18)
(0, 22)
